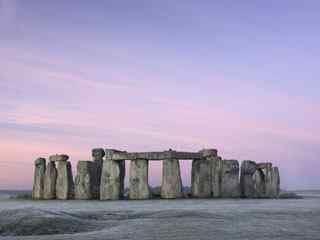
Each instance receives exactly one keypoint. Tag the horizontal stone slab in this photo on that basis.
(119, 155)
(58, 157)
(264, 165)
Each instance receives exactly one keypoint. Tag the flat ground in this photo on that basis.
(161, 219)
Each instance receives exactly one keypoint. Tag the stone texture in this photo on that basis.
(259, 183)
(71, 181)
(50, 181)
(264, 166)
(274, 190)
(121, 155)
(112, 180)
(216, 177)
(122, 165)
(58, 157)
(247, 185)
(208, 153)
(97, 155)
(171, 179)
(212, 155)
(230, 186)
(64, 184)
(38, 180)
(268, 173)
(201, 174)
(139, 187)
(201, 177)
(248, 167)
(84, 181)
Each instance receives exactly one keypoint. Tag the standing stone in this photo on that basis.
(274, 190)
(247, 184)
(201, 181)
(122, 165)
(259, 183)
(97, 154)
(38, 181)
(71, 181)
(112, 180)
(266, 168)
(139, 187)
(230, 187)
(216, 177)
(64, 184)
(216, 164)
(171, 179)
(50, 181)
(84, 181)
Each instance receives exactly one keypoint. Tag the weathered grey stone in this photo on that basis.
(264, 166)
(84, 181)
(64, 184)
(38, 180)
(247, 185)
(58, 157)
(71, 181)
(97, 154)
(121, 155)
(248, 167)
(112, 180)
(50, 181)
(274, 190)
(216, 177)
(266, 169)
(139, 187)
(122, 165)
(259, 183)
(109, 153)
(216, 164)
(171, 179)
(230, 187)
(201, 175)
(209, 153)
(270, 179)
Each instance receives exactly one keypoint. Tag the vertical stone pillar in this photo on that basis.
(97, 154)
(201, 174)
(84, 181)
(64, 183)
(122, 165)
(50, 181)
(139, 187)
(270, 178)
(247, 184)
(38, 180)
(112, 180)
(171, 179)
(275, 183)
(71, 181)
(259, 183)
(230, 187)
(216, 177)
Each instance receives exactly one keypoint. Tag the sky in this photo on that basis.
(147, 75)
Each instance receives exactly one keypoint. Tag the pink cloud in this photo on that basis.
(81, 113)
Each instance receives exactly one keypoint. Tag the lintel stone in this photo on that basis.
(118, 155)
(58, 157)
